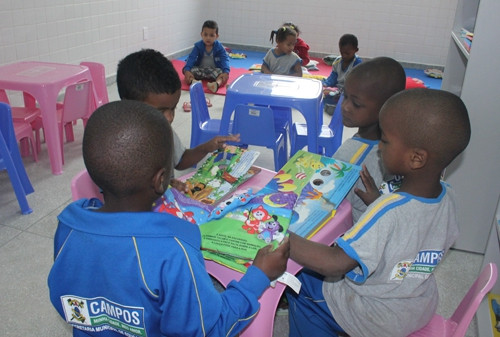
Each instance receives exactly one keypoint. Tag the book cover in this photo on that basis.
(494, 305)
(320, 183)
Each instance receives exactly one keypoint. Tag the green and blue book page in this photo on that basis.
(320, 183)
(239, 230)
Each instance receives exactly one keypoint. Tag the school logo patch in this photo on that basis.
(423, 265)
(100, 314)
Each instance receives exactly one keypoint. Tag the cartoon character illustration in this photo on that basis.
(271, 231)
(170, 207)
(254, 218)
(308, 161)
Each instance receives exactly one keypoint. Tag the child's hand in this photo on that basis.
(218, 142)
(188, 77)
(372, 192)
(179, 185)
(273, 263)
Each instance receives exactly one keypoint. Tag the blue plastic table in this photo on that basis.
(302, 94)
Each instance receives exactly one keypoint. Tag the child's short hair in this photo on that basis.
(434, 120)
(282, 33)
(348, 40)
(386, 76)
(124, 144)
(212, 25)
(146, 72)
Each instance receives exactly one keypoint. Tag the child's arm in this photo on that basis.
(326, 260)
(372, 192)
(191, 157)
(297, 70)
(273, 262)
(331, 81)
(265, 69)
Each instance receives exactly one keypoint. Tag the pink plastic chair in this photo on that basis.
(77, 104)
(457, 325)
(26, 114)
(99, 80)
(82, 186)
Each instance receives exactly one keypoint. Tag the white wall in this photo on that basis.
(106, 30)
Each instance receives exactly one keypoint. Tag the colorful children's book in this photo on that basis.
(212, 183)
(494, 305)
(241, 229)
(320, 183)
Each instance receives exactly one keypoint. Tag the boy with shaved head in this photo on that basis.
(377, 279)
(121, 269)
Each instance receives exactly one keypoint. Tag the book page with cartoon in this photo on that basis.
(235, 233)
(320, 183)
(214, 181)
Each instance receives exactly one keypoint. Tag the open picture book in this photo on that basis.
(301, 197)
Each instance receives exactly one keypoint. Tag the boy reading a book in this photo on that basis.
(121, 267)
(377, 280)
(148, 76)
(367, 87)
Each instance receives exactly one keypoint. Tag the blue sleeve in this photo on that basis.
(357, 61)
(200, 310)
(222, 58)
(331, 81)
(192, 59)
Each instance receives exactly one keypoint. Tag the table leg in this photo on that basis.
(49, 118)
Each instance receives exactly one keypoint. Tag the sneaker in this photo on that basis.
(213, 86)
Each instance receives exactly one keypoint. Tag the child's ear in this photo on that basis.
(160, 181)
(418, 158)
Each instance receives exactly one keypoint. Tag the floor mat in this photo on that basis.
(254, 57)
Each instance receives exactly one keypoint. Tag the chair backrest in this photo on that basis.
(3, 96)
(10, 159)
(255, 124)
(199, 108)
(98, 73)
(77, 101)
(470, 303)
(82, 186)
(336, 125)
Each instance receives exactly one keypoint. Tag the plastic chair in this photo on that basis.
(255, 124)
(82, 186)
(24, 133)
(30, 114)
(329, 139)
(203, 128)
(77, 104)
(457, 325)
(98, 73)
(10, 159)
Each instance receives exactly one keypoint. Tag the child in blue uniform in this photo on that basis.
(208, 60)
(121, 269)
(377, 280)
(367, 88)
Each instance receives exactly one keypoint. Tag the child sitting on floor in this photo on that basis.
(208, 60)
(281, 59)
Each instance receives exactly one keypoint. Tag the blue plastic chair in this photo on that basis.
(256, 126)
(203, 128)
(10, 159)
(330, 136)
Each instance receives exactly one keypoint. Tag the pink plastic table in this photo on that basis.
(263, 323)
(44, 81)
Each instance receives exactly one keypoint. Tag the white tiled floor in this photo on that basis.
(26, 245)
